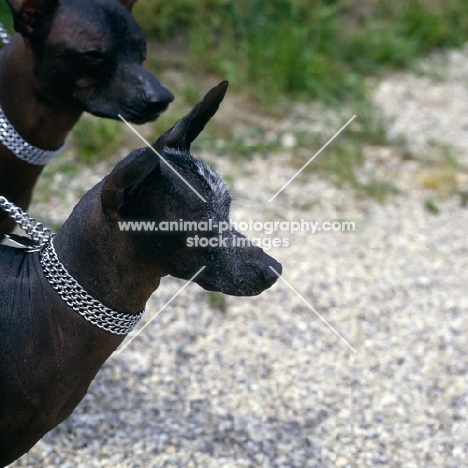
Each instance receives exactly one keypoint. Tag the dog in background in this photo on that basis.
(67, 57)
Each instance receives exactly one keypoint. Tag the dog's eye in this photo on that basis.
(94, 56)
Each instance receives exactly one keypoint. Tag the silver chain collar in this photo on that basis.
(39, 234)
(14, 141)
(78, 299)
(118, 323)
(21, 148)
(4, 35)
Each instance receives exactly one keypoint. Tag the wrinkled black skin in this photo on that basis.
(48, 353)
(70, 57)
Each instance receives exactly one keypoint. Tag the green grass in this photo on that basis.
(306, 48)
(241, 145)
(6, 17)
(275, 47)
(378, 189)
(280, 52)
(96, 138)
(431, 206)
(441, 175)
(62, 165)
(217, 301)
(339, 163)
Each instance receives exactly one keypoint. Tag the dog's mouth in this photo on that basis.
(136, 112)
(151, 113)
(247, 290)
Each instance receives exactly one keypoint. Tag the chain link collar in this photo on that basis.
(21, 148)
(78, 299)
(39, 234)
(14, 141)
(119, 323)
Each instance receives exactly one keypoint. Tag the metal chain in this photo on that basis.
(119, 323)
(4, 35)
(14, 141)
(33, 228)
(21, 148)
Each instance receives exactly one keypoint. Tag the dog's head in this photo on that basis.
(184, 189)
(89, 54)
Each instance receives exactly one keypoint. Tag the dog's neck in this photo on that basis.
(39, 122)
(101, 258)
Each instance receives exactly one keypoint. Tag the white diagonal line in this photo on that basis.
(156, 152)
(310, 160)
(161, 309)
(313, 310)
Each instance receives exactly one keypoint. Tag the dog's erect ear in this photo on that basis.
(187, 129)
(123, 183)
(128, 4)
(30, 15)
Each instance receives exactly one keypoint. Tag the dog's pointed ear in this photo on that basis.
(125, 180)
(128, 4)
(187, 129)
(30, 15)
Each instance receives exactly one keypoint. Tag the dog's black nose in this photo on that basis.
(272, 272)
(157, 101)
(159, 95)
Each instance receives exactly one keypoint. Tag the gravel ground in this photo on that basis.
(265, 382)
(432, 107)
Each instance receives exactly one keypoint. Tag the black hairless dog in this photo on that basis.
(66, 308)
(68, 56)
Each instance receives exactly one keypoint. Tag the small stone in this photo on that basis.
(288, 140)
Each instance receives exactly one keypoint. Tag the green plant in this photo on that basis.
(340, 160)
(6, 17)
(276, 47)
(96, 138)
(379, 189)
(431, 206)
(237, 144)
(165, 20)
(217, 301)
(306, 48)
